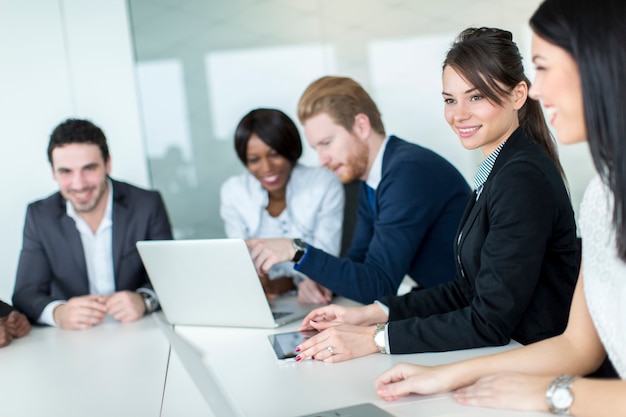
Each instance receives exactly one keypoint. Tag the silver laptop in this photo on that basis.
(212, 282)
(219, 399)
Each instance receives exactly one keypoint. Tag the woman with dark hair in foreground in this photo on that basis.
(579, 53)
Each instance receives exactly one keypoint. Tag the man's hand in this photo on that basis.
(310, 292)
(266, 253)
(17, 324)
(5, 334)
(80, 313)
(125, 306)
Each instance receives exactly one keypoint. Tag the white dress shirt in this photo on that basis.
(376, 171)
(98, 250)
(314, 211)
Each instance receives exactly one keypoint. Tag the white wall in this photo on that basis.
(60, 59)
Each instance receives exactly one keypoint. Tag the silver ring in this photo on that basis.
(330, 349)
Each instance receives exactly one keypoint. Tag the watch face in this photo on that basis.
(149, 302)
(379, 338)
(562, 398)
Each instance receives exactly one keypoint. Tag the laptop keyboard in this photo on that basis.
(279, 314)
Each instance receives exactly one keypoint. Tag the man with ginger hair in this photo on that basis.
(410, 200)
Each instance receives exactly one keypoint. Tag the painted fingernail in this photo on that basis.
(313, 357)
(298, 358)
(298, 349)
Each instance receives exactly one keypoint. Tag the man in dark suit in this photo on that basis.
(410, 201)
(78, 261)
(13, 324)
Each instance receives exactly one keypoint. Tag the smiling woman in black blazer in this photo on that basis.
(516, 249)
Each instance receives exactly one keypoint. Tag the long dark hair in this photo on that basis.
(489, 60)
(594, 34)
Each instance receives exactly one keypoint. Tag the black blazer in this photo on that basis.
(52, 261)
(5, 309)
(517, 263)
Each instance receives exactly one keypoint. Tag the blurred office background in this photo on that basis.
(168, 80)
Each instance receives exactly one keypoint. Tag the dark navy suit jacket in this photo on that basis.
(518, 260)
(419, 202)
(52, 261)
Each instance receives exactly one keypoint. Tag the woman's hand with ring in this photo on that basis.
(338, 343)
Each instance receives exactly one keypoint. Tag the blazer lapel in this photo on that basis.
(120, 217)
(468, 218)
(518, 139)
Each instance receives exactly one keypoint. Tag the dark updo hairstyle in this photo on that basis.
(594, 34)
(488, 59)
(274, 128)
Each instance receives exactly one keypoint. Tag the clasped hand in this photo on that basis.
(84, 312)
(13, 326)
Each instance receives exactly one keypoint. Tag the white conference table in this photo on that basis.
(126, 370)
(265, 387)
(110, 370)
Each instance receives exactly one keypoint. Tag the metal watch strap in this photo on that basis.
(562, 382)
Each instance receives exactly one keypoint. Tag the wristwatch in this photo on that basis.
(379, 338)
(151, 303)
(300, 247)
(559, 394)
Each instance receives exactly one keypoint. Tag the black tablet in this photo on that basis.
(284, 344)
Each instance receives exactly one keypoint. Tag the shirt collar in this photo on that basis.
(485, 169)
(376, 171)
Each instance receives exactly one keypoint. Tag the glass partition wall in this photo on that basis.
(202, 64)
